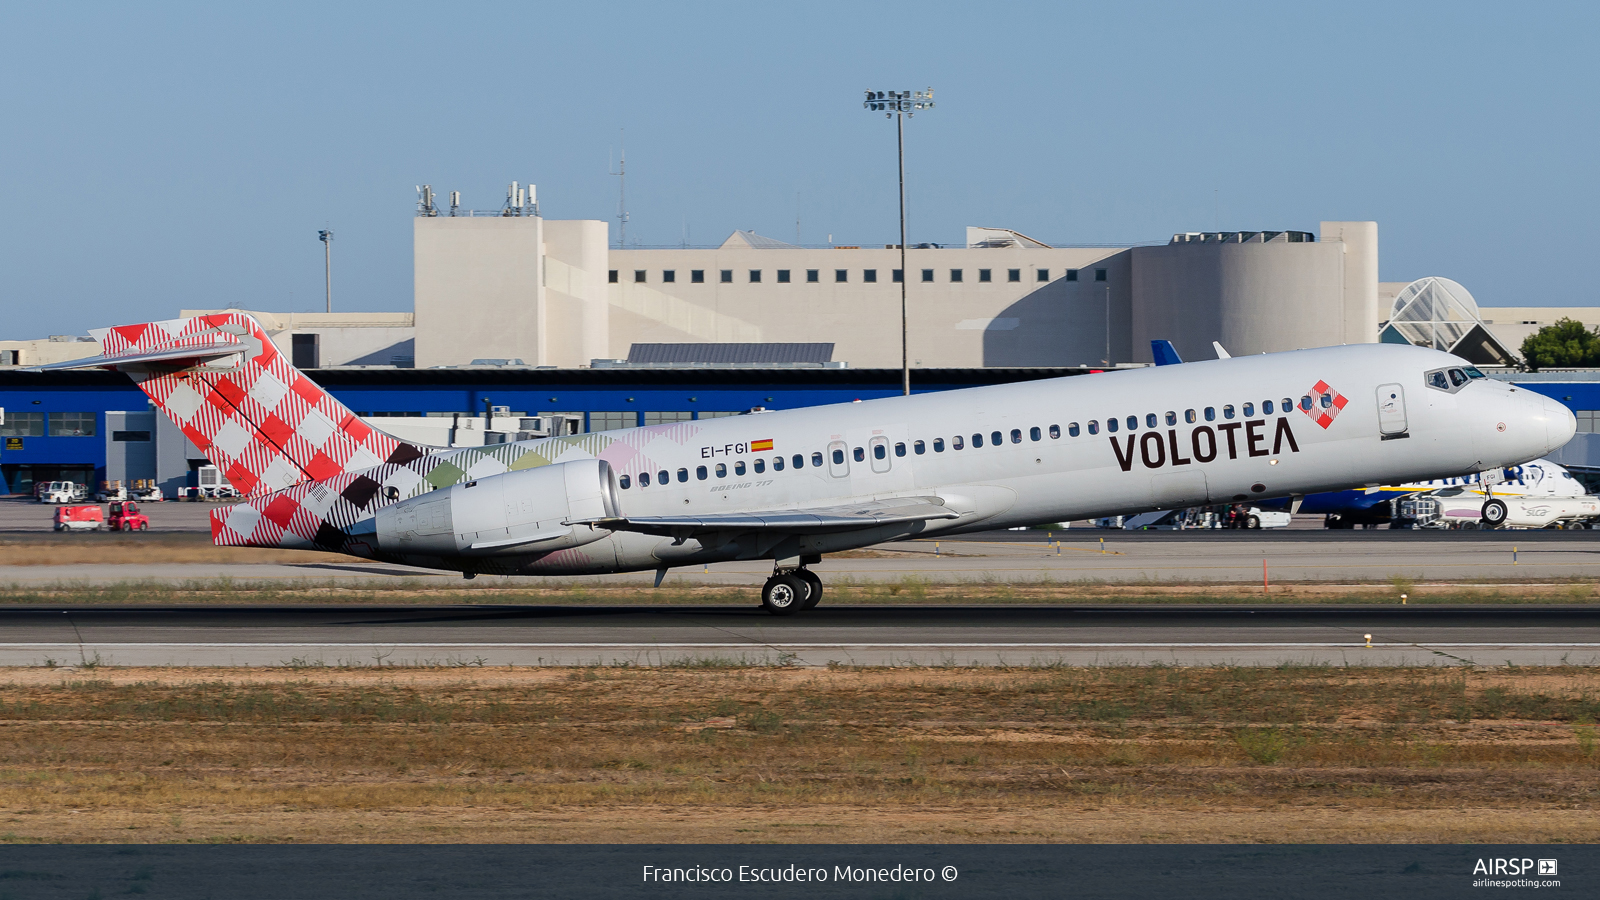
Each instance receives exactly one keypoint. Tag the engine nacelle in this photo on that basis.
(527, 511)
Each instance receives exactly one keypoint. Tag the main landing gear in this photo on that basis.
(789, 592)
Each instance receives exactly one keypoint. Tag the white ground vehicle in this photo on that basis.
(61, 492)
(212, 485)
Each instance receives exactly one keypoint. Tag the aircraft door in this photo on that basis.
(878, 452)
(838, 459)
(1391, 411)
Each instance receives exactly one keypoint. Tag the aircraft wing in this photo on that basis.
(811, 520)
(197, 352)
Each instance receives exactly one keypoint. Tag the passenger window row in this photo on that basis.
(996, 438)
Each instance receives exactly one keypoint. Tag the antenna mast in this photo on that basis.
(622, 193)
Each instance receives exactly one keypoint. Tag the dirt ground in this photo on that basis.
(818, 755)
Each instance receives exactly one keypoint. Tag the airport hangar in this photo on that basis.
(517, 317)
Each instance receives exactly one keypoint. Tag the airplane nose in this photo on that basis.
(1559, 423)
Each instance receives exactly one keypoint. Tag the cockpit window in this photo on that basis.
(1447, 380)
(1474, 374)
(1437, 379)
(1458, 377)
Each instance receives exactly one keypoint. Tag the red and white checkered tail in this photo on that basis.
(256, 417)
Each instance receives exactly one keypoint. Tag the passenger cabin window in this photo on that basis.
(624, 482)
(759, 465)
(1287, 405)
(816, 458)
(1133, 423)
(1189, 416)
(1227, 411)
(860, 455)
(1111, 426)
(738, 467)
(1034, 434)
(700, 473)
(977, 441)
(1266, 407)
(1172, 417)
(1249, 410)
(879, 451)
(938, 445)
(777, 464)
(1094, 427)
(838, 457)
(1305, 402)
(644, 479)
(956, 444)
(683, 475)
(1150, 420)
(1211, 414)
(899, 449)
(1327, 401)
(722, 470)
(919, 448)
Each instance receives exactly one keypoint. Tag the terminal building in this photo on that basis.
(517, 317)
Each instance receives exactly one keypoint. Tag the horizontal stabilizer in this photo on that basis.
(790, 521)
(222, 345)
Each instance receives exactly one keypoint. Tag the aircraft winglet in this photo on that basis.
(1221, 353)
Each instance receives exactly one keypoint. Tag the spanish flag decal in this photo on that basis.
(758, 446)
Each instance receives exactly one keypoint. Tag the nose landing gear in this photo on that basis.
(789, 592)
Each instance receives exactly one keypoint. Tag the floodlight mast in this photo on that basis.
(901, 105)
(326, 237)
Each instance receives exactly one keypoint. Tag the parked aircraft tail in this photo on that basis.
(254, 415)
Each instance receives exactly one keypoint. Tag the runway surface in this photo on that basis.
(927, 636)
(1163, 557)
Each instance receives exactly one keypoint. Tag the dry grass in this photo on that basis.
(710, 754)
(114, 549)
(841, 591)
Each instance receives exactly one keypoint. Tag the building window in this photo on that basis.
(131, 436)
(612, 276)
(71, 424)
(667, 417)
(697, 276)
(755, 276)
(304, 350)
(727, 276)
(1013, 274)
(812, 276)
(985, 275)
(899, 275)
(1099, 274)
(669, 276)
(1044, 275)
(1072, 274)
(870, 276)
(1587, 419)
(28, 424)
(955, 274)
(638, 276)
(611, 421)
(841, 275)
(783, 276)
(927, 274)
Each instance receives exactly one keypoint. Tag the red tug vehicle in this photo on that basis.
(125, 516)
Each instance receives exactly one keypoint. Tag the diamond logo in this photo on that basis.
(1325, 404)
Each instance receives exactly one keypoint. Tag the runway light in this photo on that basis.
(1369, 640)
(1402, 599)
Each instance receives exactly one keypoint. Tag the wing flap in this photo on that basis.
(813, 520)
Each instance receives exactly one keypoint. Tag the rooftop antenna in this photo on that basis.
(797, 218)
(622, 190)
(425, 201)
(533, 199)
(326, 237)
(455, 202)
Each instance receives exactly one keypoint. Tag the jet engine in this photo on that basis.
(528, 511)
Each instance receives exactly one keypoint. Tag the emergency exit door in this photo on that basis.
(1392, 412)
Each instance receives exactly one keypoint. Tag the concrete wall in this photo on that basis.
(1253, 297)
(1361, 308)
(478, 286)
(130, 460)
(951, 323)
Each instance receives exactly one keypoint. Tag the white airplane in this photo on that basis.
(795, 485)
(1533, 495)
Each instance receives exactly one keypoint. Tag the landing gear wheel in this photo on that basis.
(784, 595)
(814, 586)
(1494, 513)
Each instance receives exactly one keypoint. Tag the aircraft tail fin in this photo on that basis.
(254, 415)
(1164, 353)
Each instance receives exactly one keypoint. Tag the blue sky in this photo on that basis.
(163, 156)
